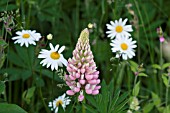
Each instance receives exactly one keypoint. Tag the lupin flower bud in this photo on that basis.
(83, 76)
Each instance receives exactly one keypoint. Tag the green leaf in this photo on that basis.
(133, 65)
(2, 86)
(156, 66)
(148, 107)
(114, 100)
(165, 80)
(142, 74)
(136, 88)
(90, 108)
(91, 100)
(28, 94)
(3, 44)
(156, 99)
(39, 81)
(26, 74)
(166, 109)
(10, 108)
(165, 65)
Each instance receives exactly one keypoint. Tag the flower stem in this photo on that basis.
(160, 73)
(136, 76)
(52, 88)
(167, 90)
(41, 95)
(83, 107)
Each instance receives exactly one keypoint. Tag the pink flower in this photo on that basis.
(161, 39)
(83, 75)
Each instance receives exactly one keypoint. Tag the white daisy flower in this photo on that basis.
(61, 100)
(118, 29)
(123, 47)
(26, 37)
(53, 57)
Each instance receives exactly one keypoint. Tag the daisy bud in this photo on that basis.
(49, 36)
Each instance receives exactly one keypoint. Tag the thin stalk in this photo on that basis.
(9, 91)
(161, 59)
(120, 72)
(77, 17)
(23, 13)
(22, 90)
(5, 35)
(160, 73)
(136, 76)
(41, 95)
(138, 39)
(141, 18)
(30, 63)
(5, 97)
(52, 88)
(83, 107)
(167, 91)
(28, 18)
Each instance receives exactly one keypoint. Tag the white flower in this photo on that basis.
(61, 100)
(123, 47)
(135, 104)
(53, 57)
(118, 29)
(129, 111)
(26, 37)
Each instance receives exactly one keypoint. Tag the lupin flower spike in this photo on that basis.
(83, 76)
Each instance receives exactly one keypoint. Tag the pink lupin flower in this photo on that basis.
(83, 76)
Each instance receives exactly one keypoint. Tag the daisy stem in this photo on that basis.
(41, 95)
(31, 66)
(52, 88)
(167, 90)
(46, 43)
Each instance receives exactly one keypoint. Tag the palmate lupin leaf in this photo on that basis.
(8, 108)
(108, 101)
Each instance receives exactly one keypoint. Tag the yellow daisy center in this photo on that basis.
(55, 55)
(119, 29)
(124, 46)
(26, 35)
(60, 102)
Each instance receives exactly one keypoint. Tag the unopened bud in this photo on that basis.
(49, 36)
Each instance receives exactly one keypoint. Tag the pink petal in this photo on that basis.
(88, 77)
(95, 92)
(82, 82)
(80, 98)
(88, 91)
(70, 92)
(76, 89)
